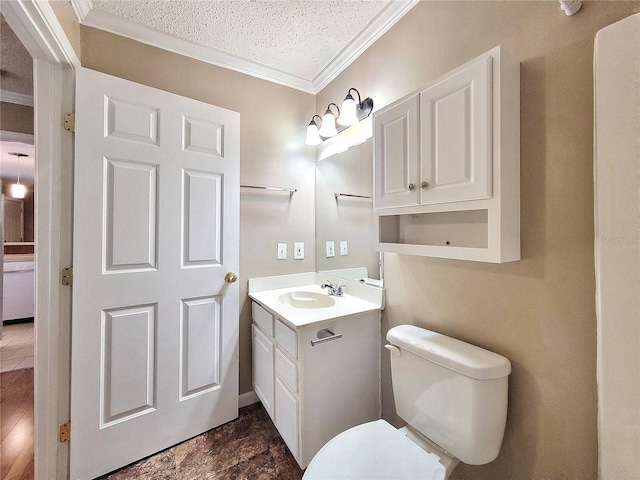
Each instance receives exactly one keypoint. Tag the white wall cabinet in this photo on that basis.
(447, 165)
(314, 391)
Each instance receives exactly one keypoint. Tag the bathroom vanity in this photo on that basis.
(316, 357)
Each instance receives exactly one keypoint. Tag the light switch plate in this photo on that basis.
(282, 251)
(331, 249)
(298, 251)
(343, 248)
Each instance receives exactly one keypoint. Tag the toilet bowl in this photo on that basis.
(377, 450)
(453, 396)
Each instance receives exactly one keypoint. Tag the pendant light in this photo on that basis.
(17, 189)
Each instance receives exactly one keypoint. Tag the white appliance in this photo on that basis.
(18, 292)
(453, 396)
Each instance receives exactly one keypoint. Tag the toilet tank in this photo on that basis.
(452, 392)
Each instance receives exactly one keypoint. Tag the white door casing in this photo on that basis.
(155, 325)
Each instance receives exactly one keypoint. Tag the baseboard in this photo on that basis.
(248, 398)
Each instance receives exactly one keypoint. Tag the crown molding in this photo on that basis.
(383, 22)
(101, 20)
(16, 98)
(150, 36)
(81, 8)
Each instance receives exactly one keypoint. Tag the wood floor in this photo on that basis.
(248, 448)
(16, 425)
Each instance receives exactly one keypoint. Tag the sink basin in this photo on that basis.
(307, 300)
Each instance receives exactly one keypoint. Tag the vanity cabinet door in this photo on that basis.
(396, 155)
(263, 371)
(287, 418)
(456, 136)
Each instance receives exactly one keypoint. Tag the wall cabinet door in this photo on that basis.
(456, 134)
(263, 361)
(396, 155)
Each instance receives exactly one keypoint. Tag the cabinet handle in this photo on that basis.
(424, 185)
(411, 187)
(337, 336)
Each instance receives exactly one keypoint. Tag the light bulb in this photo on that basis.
(18, 190)
(313, 138)
(348, 115)
(328, 128)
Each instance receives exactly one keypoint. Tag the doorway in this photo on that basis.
(17, 262)
(54, 61)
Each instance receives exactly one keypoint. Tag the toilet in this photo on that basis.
(452, 395)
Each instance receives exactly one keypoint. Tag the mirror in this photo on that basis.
(347, 217)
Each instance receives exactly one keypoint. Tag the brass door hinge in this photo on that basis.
(65, 432)
(66, 277)
(70, 122)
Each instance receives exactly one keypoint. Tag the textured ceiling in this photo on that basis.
(297, 37)
(15, 62)
(303, 44)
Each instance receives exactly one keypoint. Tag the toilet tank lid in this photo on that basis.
(456, 355)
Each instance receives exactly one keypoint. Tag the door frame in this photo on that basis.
(55, 61)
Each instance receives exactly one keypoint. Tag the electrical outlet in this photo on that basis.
(331, 249)
(343, 248)
(298, 251)
(282, 251)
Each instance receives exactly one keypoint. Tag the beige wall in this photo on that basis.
(538, 312)
(16, 118)
(272, 152)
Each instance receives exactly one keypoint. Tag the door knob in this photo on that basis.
(230, 277)
(411, 187)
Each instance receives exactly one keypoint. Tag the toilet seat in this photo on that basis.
(374, 451)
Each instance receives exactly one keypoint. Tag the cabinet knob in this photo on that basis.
(411, 187)
(424, 185)
(230, 277)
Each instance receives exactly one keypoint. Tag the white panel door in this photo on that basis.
(155, 325)
(456, 126)
(396, 155)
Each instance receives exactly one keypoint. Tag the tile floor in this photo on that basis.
(248, 448)
(16, 347)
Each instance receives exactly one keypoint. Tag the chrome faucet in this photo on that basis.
(335, 291)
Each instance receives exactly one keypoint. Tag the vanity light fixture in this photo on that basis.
(352, 113)
(17, 189)
(328, 128)
(313, 137)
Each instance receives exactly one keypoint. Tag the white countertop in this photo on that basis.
(358, 298)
